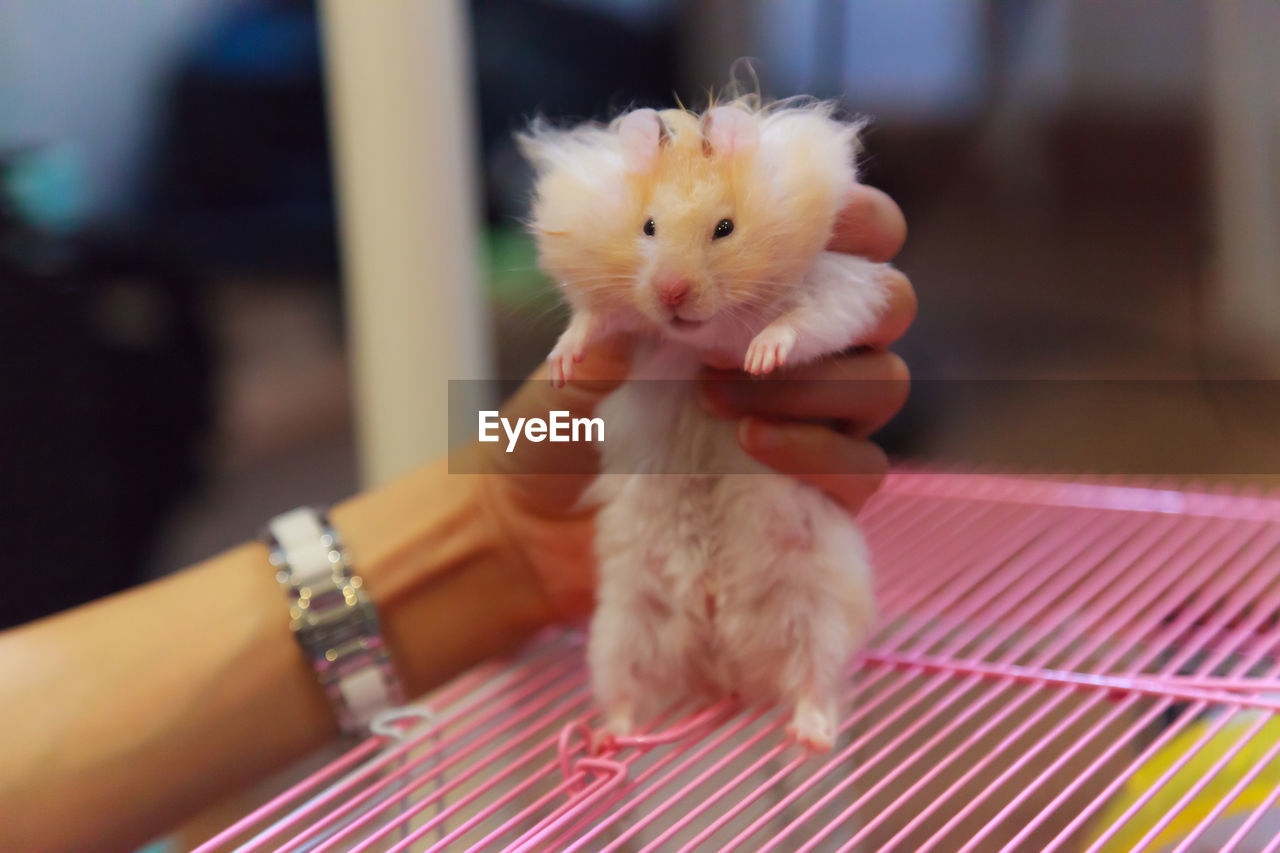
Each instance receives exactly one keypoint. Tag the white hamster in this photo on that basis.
(705, 234)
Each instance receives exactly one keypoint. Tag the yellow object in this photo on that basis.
(1205, 750)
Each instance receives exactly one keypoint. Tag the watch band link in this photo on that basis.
(332, 617)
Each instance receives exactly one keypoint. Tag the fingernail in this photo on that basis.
(757, 435)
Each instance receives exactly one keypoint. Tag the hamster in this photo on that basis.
(704, 235)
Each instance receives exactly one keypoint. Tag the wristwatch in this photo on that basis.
(332, 617)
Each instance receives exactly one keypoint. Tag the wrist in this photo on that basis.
(448, 589)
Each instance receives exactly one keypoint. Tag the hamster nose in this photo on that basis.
(672, 290)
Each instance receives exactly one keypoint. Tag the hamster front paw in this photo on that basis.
(770, 348)
(560, 367)
(569, 350)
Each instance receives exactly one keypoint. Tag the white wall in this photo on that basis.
(400, 108)
(91, 73)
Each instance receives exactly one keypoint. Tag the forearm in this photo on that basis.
(122, 717)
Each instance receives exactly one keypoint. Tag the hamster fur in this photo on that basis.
(751, 584)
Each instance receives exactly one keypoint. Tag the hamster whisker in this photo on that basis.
(541, 317)
(599, 279)
(760, 283)
(590, 278)
(536, 269)
(734, 313)
(544, 301)
(748, 299)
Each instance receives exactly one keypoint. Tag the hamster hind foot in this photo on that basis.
(619, 721)
(814, 725)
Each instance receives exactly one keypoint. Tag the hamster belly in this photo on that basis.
(659, 531)
(720, 582)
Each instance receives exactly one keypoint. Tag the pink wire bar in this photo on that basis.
(310, 783)
(1198, 689)
(1043, 640)
(1152, 562)
(453, 692)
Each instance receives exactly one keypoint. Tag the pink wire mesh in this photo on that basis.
(1041, 640)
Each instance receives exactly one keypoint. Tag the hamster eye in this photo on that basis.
(723, 229)
(649, 227)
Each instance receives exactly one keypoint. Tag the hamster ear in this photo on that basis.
(640, 133)
(731, 131)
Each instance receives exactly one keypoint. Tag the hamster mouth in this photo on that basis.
(686, 325)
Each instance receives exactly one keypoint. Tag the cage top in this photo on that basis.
(1060, 665)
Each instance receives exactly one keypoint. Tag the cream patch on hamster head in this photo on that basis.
(692, 221)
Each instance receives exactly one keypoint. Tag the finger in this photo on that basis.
(870, 225)
(899, 312)
(849, 470)
(863, 391)
(599, 370)
(561, 469)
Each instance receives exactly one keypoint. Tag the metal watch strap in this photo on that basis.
(332, 617)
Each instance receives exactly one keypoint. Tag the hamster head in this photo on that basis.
(696, 223)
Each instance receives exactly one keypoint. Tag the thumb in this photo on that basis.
(601, 370)
(562, 469)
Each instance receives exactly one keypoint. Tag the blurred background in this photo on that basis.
(244, 243)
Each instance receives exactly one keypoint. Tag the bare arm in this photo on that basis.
(120, 718)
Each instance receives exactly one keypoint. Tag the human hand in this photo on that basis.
(791, 426)
(791, 421)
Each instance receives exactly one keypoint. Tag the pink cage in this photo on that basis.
(1060, 666)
